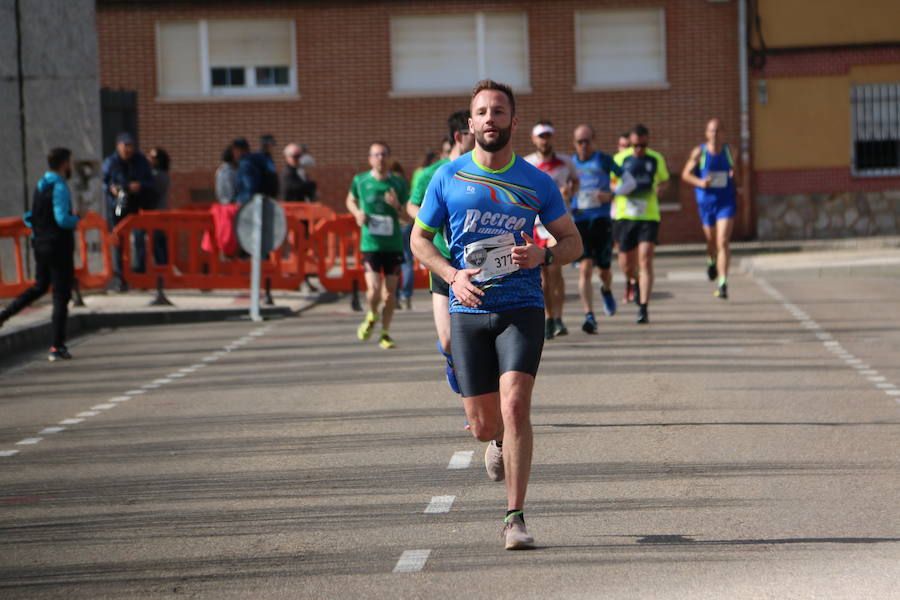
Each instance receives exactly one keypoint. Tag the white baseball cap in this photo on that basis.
(542, 128)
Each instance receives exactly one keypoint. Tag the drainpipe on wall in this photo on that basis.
(21, 107)
(747, 204)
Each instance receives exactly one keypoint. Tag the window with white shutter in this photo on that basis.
(620, 49)
(226, 58)
(448, 54)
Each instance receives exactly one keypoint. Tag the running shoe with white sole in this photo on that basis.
(58, 353)
(493, 462)
(515, 534)
(386, 342)
(558, 328)
(722, 292)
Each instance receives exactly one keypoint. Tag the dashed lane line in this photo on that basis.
(412, 561)
(879, 381)
(439, 504)
(461, 459)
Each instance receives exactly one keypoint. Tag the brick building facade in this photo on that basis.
(344, 99)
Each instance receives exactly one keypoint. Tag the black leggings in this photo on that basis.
(54, 266)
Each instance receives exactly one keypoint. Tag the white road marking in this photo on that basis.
(461, 459)
(219, 353)
(198, 366)
(120, 399)
(8, 452)
(412, 561)
(176, 375)
(163, 380)
(210, 359)
(135, 392)
(51, 430)
(71, 421)
(88, 413)
(29, 441)
(439, 504)
(103, 406)
(831, 344)
(187, 370)
(150, 386)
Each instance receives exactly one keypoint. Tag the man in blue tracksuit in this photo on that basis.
(53, 226)
(256, 170)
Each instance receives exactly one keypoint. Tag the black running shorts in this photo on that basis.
(486, 345)
(437, 285)
(629, 233)
(383, 262)
(596, 238)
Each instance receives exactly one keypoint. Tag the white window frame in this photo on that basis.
(480, 33)
(612, 87)
(249, 90)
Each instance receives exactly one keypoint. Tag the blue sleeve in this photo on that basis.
(552, 205)
(433, 212)
(144, 174)
(62, 207)
(248, 180)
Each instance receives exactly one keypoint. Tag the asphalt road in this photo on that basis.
(731, 449)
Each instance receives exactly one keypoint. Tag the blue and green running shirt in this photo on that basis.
(481, 208)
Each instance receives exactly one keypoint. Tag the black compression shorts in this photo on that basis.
(486, 345)
(437, 285)
(596, 238)
(629, 233)
(383, 262)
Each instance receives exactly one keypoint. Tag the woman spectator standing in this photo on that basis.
(222, 238)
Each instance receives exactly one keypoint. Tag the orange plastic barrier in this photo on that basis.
(19, 234)
(190, 267)
(337, 241)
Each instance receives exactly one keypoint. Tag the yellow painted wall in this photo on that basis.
(828, 22)
(806, 122)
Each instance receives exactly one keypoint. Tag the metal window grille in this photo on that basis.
(875, 119)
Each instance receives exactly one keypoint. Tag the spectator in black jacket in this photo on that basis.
(296, 185)
(130, 186)
(256, 170)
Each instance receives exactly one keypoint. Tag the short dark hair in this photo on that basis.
(57, 157)
(640, 130)
(241, 143)
(458, 121)
(228, 154)
(490, 84)
(544, 122)
(625, 135)
(162, 158)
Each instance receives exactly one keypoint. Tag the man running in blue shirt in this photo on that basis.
(710, 169)
(591, 212)
(487, 201)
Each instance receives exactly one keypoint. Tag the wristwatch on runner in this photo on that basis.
(548, 256)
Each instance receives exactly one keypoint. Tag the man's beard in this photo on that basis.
(503, 136)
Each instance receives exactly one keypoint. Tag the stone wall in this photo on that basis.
(827, 216)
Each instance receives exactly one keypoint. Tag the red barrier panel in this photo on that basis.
(190, 267)
(337, 240)
(19, 235)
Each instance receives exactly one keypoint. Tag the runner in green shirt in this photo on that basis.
(463, 141)
(376, 200)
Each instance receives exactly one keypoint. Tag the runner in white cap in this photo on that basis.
(564, 174)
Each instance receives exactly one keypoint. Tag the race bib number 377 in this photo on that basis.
(492, 255)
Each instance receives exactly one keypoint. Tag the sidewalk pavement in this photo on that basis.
(30, 329)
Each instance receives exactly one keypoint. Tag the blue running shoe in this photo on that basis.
(450, 371)
(609, 303)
